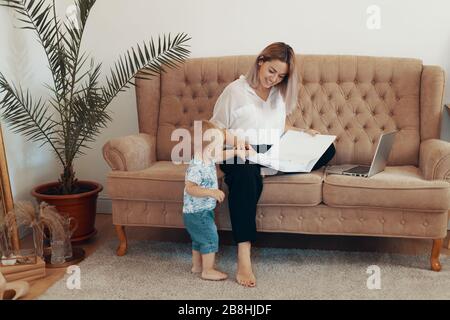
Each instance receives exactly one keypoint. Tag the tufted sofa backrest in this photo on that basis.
(355, 98)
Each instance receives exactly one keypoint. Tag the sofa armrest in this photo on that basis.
(130, 153)
(435, 159)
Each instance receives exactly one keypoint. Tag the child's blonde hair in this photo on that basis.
(205, 126)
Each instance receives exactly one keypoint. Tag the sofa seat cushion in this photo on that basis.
(162, 181)
(401, 187)
(301, 189)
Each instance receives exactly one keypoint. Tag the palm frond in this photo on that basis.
(89, 115)
(75, 29)
(26, 116)
(148, 60)
(37, 15)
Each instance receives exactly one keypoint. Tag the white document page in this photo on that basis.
(294, 152)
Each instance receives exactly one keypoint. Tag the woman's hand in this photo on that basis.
(240, 154)
(241, 144)
(250, 151)
(311, 132)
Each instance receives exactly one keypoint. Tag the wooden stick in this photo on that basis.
(6, 194)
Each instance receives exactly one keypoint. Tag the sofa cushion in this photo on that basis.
(301, 189)
(163, 181)
(397, 187)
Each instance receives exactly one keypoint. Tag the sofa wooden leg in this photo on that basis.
(437, 245)
(122, 249)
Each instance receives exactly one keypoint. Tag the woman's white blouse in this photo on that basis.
(240, 110)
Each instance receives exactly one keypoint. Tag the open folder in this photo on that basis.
(294, 152)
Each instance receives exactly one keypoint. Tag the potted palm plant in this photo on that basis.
(77, 110)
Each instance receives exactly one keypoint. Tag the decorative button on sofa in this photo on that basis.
(410, 199)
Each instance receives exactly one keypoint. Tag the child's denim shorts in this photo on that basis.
(203, 231)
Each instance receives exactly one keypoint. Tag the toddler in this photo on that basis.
(200, 195)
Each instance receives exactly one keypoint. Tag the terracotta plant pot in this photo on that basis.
(82, 207)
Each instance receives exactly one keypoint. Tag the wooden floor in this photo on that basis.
(342, 243)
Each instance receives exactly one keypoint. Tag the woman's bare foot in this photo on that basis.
(214, 275)
(244, 275)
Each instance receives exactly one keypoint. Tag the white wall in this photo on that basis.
(413, 28)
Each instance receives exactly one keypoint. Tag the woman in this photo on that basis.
(256, 104)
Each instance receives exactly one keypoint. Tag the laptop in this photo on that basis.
(379, 160)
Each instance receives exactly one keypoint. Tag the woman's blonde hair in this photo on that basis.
(289, 85)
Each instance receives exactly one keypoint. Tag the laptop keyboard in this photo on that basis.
(359, 169)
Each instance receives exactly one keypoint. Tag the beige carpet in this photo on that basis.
(160, 270)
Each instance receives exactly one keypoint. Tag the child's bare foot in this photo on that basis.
(196, 269)
(213, 274)
(245, 277)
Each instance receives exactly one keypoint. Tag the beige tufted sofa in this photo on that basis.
(355, 98)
